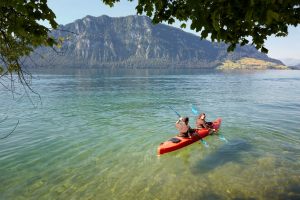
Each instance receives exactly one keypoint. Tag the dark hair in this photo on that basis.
(185, 119)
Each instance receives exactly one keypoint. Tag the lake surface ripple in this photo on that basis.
(94, 136)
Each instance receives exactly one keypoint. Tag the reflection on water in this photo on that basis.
(95, 137)
(92, 72)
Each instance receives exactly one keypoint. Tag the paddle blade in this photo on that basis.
(204, 142)
(195, 110)
(221, 137)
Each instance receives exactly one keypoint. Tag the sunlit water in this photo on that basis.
(94, 136)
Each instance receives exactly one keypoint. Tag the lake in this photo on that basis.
(94, 135)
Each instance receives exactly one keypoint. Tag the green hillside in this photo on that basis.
(250, 64)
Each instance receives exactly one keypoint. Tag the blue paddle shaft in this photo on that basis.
(174, 111)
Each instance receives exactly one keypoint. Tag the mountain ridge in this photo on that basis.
(134, 42)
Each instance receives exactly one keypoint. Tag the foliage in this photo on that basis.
(21, 32)
(232, 22)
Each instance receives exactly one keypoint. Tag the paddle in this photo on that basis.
(180, 118)
(196, 112)
(204, 142)
(174, 111)
(221, 137)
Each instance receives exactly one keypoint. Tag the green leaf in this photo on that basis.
(271, 15)
(183, 25)
(171, 21)
(231, 47)
(216, 21)
(264, 50)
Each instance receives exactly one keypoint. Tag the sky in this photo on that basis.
(286, 49)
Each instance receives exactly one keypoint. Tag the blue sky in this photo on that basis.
(68, 11)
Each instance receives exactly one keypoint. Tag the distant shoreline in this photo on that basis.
(251, 64)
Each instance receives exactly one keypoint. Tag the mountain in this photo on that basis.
(297, 67)
(290, 61)
(134, 42)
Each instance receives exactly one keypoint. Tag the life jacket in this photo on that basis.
(200, 123)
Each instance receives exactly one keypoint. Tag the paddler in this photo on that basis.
(182, 125)
(201, 123)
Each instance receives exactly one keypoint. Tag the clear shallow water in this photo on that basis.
(95, 136)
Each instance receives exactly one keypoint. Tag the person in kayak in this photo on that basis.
(201, 123)
(182, 125)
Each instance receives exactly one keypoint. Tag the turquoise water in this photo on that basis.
(95, 135)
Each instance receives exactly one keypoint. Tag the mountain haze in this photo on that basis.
(134, 42)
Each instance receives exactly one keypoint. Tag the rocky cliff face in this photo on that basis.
(134, 41)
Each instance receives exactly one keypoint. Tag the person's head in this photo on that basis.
(185, 120)
(202, 116)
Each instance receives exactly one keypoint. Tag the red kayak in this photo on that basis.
(180, 142)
